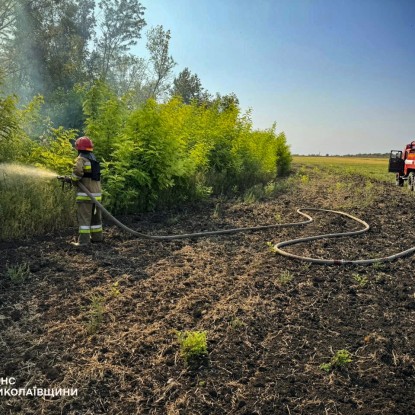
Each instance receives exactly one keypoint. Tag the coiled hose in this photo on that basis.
(278, 246)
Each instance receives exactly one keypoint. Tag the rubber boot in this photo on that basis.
(97, 237)
(84, 239)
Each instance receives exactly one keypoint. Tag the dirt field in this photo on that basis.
(104, 320)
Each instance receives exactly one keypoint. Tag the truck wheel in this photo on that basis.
(411, 184)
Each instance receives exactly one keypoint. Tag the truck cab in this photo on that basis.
(402, 163)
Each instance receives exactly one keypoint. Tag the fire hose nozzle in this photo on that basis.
(64, 179)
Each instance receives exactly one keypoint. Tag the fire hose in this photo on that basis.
(277, 247)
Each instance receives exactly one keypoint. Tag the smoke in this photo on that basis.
(9, 170)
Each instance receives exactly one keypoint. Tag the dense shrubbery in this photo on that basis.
(170, 152)
(156, 154)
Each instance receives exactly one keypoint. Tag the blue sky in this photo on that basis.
(337, 76)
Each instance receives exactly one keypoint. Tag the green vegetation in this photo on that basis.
(32, 205)
(236, 323)
(340, 359)
(18, 273)
(285, 278)
(162, 140)
(361, 280)
(373, 168)
(335, 174)
(193, 346)
(95, 313)
(155, 155)
(115, 291)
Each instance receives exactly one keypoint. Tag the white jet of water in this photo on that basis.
(10, 169)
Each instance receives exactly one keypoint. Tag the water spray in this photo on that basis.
(12, 169)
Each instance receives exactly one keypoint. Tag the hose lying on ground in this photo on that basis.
(279, 245)
(190, 235)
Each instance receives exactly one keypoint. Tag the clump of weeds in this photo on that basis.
(285, 278)
(361, 280)
(340, 359)
(378, 266)
(236, 324)
(97, 307)
(218, 211)
(96, 313)
(193, 346)
(270, 246)
(18, 273)
(115, 291)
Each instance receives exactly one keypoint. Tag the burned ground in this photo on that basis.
(105, 319)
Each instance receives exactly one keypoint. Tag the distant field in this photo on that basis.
(376, 168)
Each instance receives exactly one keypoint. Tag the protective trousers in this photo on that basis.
(90, 223)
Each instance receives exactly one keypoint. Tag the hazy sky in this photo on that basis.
(338, 76)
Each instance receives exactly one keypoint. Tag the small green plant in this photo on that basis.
(236, 323)
(340, 359)
(306, 266)
(115, 292)
(285, 277)
(277, 217)
(378, 266)
(18, 273)
(270, 245)
(304, 179)
(361, 280)
(173, 220)
(193, 346)
(96, 313)
(254, 194)
(218, 211)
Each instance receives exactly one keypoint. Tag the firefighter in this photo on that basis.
(87, 171)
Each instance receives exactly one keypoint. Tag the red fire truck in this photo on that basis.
(402, 163)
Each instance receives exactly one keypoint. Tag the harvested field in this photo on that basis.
(103, 320)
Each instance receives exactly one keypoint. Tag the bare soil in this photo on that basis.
(271, 322)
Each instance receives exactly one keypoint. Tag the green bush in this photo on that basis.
(172, 152)
(106, 115)
(193, 346)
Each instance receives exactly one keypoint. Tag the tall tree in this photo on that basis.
(226, 102)
(7, 22)
(158, 41)
(50, 43)
(46, 53)
(120, 28)
(188, 86)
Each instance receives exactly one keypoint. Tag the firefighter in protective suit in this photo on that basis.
(87, 171)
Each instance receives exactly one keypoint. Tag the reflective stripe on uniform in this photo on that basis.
(87, 167)
(84, 196)
(98, 198)
(84, 229)
(96, 228)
